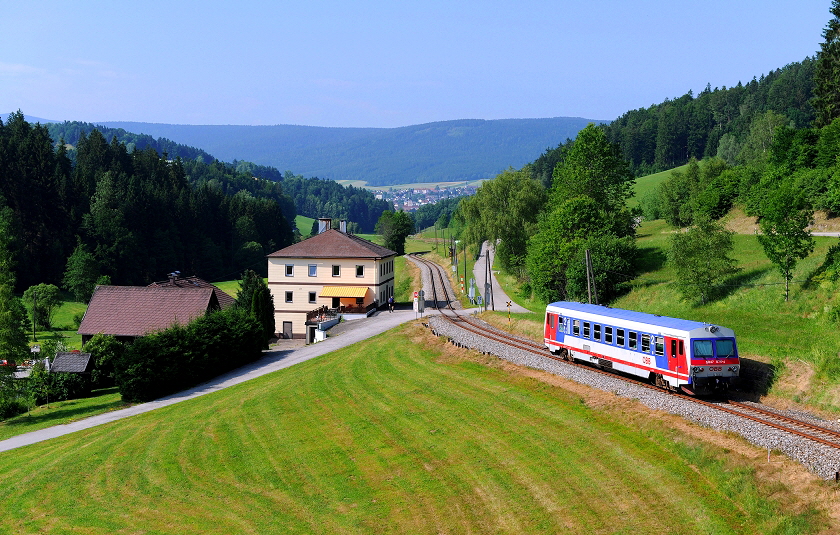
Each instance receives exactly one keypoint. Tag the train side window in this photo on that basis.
(659, 345)
(633, 340)
(551, 321)
(674, 348)
(619, 337)
(576, 327)
(586, 329)
(646, 343)
(596, 328)
(682, 348)
(608, 334)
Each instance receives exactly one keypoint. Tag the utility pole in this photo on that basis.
(590, 278)
(486, 272)
(34, 307)
(466, 279)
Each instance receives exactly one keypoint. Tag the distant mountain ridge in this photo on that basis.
(466, 149)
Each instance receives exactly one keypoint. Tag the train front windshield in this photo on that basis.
(708, 349)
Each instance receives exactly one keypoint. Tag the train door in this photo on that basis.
(549, 326)
(675, 348)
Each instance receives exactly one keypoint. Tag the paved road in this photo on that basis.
(354, 331)
(499, 295)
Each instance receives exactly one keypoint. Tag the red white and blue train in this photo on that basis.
(672, 353)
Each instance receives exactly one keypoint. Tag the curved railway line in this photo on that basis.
(765, 416)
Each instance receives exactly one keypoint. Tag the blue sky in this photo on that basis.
(384, 63)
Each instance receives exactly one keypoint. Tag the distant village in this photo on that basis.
(409, 200)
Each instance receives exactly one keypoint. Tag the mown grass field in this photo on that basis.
(399, 434)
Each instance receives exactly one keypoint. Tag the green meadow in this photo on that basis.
(399, 434)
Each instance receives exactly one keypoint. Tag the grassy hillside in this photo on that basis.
(401, 434)
(648, 184)
(304, 224)
(796, 338)
(432, 152)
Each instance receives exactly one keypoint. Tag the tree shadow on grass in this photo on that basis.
(650, 259)
(738, 281)
(68, 410)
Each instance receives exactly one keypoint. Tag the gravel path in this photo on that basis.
(820, 459)
(499, 295)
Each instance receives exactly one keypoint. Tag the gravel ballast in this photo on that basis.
(821, 459)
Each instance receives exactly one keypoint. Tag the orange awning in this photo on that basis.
(344, 291)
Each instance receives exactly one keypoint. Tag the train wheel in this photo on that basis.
(565, 355)
(660, 381)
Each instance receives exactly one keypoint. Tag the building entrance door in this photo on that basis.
(336, 302)
(287, 329)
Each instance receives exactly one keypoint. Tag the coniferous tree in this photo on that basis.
(826, 99)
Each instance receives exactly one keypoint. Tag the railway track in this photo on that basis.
(766, 417)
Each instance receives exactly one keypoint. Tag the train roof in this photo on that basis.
(631, 315)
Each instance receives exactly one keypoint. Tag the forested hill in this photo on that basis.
(716, 122)
(433, 152)
(70, 131)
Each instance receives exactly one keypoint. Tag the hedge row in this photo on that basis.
(168, 361)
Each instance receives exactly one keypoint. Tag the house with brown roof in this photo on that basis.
(127, 312)
(332, 273)
(175, 280)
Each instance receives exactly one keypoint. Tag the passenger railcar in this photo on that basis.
(673, 353)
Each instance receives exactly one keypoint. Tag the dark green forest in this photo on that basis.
(311, 197)
(72, 131)
(716, 122)
(138, 215)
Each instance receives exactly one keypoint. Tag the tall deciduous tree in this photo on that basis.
(594, 168)
(504, 210)
(700, 258)
(395, 227)
(45, 300)
(826, 99)
(588, 212)
(784, 231)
